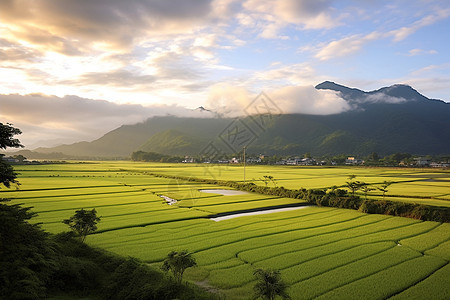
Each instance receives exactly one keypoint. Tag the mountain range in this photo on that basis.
(388, 120)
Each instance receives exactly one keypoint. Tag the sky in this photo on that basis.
(72, 70)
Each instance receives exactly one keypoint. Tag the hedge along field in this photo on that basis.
(321, 252)
(424, 186)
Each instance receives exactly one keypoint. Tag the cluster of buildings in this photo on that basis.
(309, 161)
(21, 160)
(298, 161)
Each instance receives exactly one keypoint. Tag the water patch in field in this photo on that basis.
(263, 212)
(224, 192)
(169, 200)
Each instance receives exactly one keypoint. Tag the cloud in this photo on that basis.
(308, 100)
(414, 52)
(101, 23)
(228, 100)
(405, 31)
(270, 17)
(14, 52)
(354, 43)
(119, 78)
(71, 118)
(311, 14)
(346, 46)
(382, 98)
(231, 101)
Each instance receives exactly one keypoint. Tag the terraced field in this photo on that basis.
(324, 253)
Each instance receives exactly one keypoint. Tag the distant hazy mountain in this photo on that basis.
(391, 119)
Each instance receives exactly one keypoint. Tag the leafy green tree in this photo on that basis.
(270, 285)
(178, 262)
(20, 158)
(83, 222)
(7, 133)
(26, 254)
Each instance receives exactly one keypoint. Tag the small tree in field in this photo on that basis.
(353, 185)
(384, 187)
(178, 262)
(83, 222)
(270, 285)
(267, 178)
(366, 189)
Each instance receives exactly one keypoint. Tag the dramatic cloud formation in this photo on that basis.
(71, 118)
(308, 100)
(70, 27)
(230, 101)
(166, 55)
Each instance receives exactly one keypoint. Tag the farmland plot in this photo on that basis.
(321, 252)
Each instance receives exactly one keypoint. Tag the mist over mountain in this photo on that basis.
(388, 120)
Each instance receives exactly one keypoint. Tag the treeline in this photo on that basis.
(337, 198)
(38, 265)
(154, 157)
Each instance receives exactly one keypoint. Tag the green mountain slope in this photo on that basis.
(173, 142)
(388, 120)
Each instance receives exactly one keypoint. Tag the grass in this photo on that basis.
(321, 252)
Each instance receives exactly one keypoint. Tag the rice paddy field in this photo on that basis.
(323, 253)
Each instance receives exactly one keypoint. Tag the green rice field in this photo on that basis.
(324, 253)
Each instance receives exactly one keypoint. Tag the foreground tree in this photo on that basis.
(270, 285)
(7, 133)
(178, 262)
(26, 254)
(83, 222)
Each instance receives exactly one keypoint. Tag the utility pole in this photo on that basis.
(244, 163)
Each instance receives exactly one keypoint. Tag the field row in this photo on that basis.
(322, 252)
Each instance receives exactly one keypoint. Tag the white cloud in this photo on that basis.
(414, 52)
(345, 46)
(271, 16)
(308, 100)
(405, 31)
(232, 101)
(382, 98)
(354, 43)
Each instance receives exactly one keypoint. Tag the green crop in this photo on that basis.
(320, 251)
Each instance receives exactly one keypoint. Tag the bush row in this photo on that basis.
(336, 198)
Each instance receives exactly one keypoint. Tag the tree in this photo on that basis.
(26, 254)
(384, 187)
(366, 188)
(270, 284)
(178, 262)
(267, 178)
(83, 222)
(20, 158)
(353, 185)
(7, 133)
